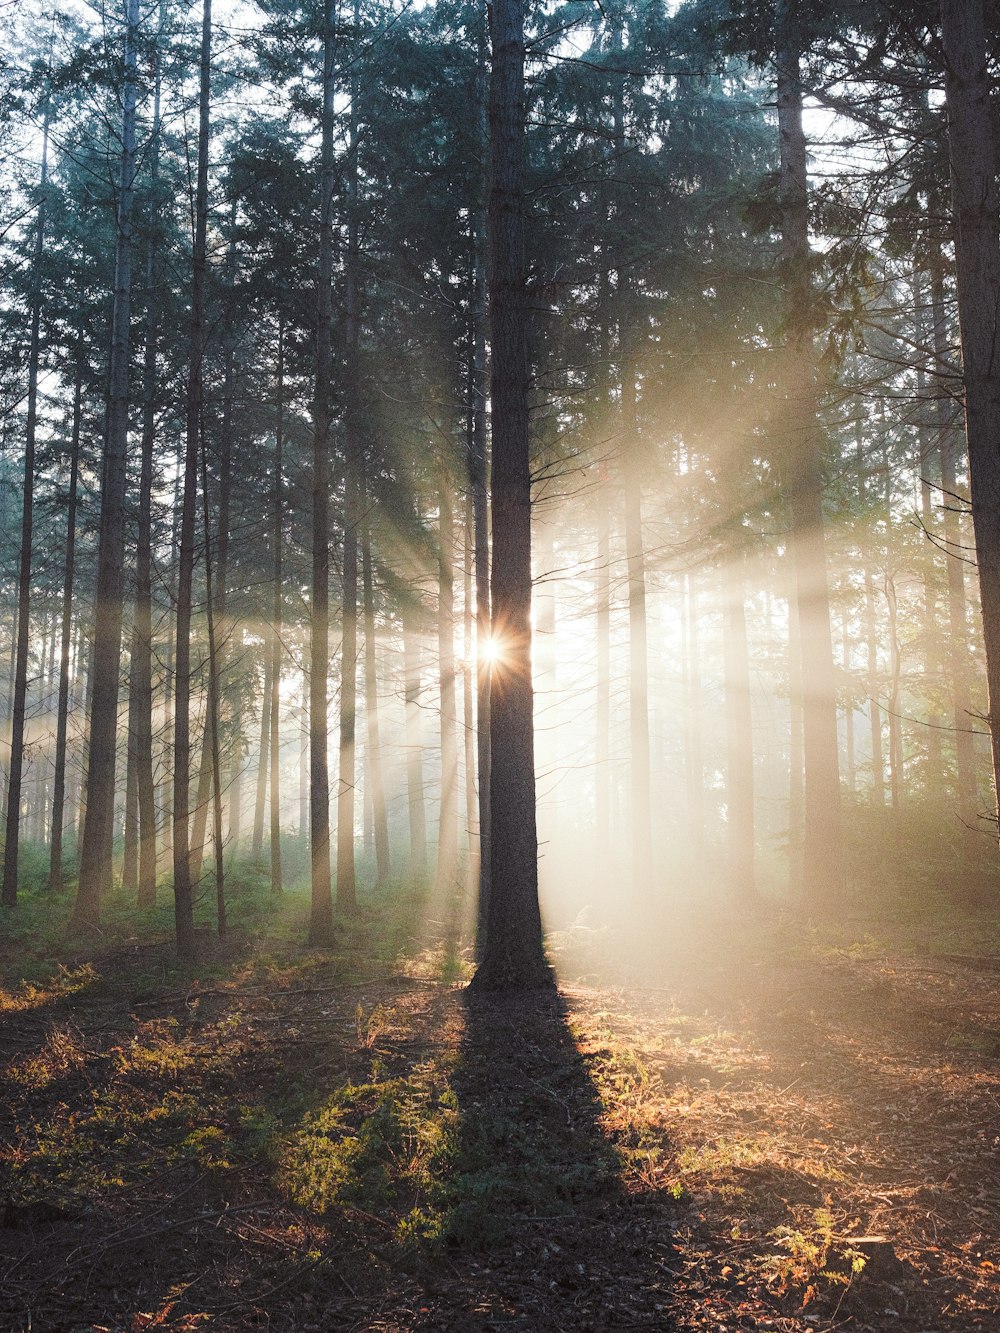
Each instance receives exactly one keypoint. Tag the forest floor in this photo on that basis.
(755, 1131)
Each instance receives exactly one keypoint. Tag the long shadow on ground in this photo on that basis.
(544, 1231)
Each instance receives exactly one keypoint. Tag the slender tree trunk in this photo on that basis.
(448, 811)
(468, 705)
(414, 746)
(212, 705)
(633, 460)
(895, 667)
(95, 859)
(380, 813)
(220, 579)
(263, 765)
(62, 707)
(142, 638)
(513, 956)
(739, 734)
(321, 911)
(926, 455)
(695, 763)
(800, 439)
(480, 511)
(845, 645)
(276, 619)
(12, 823)
(183, 884)
(130, 847)
(948, 431)
(347, 771)
(602, 721)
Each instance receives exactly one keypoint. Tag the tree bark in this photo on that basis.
(477, 463)
(12, 822)
(801, 440)
(321, 908)
(417, 816)
(976, 205)
(948, 431)
(447, 858)
(62, 707)
(95, 859)
(380, 814)
(183, 883)
(739, 734)
(514, 957)
(276, 618)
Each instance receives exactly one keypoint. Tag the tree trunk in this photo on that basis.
(321, 908)
(976, 203)
(62, 707)
(948, 444)
(212, 704)
(380, 814)
(276, 609)
(447, 858)
(739, 734)
(183, 884)
(12, 823)
(142, 637)
(468, 705)
(480, 509)
(417, 816)
(260, 797)
(801, 440)
(513, 956)
(95, 859)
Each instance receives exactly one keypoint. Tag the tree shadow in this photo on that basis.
(544, 1229)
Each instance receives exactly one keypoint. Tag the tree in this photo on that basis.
(95, 860)
(976, 205)
(513, 957)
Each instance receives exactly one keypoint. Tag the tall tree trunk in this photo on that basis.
(480, 509)
(130, 847)
(12, 823)
(417, 816)
(739, 734)
(380, 813)
(633, 460)
(513, 956)
(220, 579)
(693, 708)
(602, 657)
(141, 701)
(260, 796)
(468, 704)
(276, 610)
(976, 203)
(212, 704)
(800, 437)
(948, 431)
(895, 671)
(95, 859)
(447, 858)
(321, 909)
(183, 884)
(347, 770)
(926, 455)
(69, 570)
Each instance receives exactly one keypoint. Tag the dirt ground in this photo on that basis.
(737, 1138)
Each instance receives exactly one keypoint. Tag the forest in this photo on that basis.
(499, 630)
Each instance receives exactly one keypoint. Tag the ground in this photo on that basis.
(745, 1129)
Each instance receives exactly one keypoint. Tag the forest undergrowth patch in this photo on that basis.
(745, 1141)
